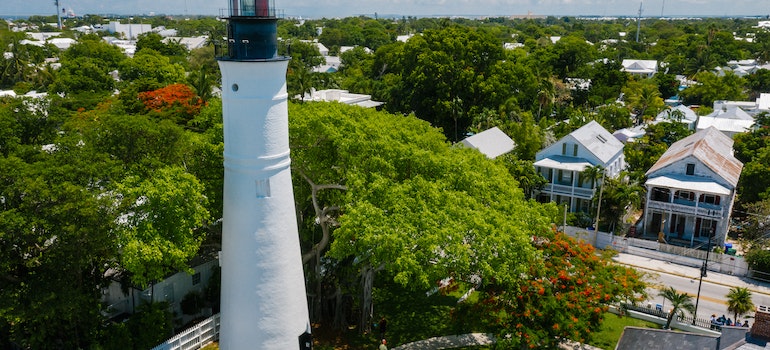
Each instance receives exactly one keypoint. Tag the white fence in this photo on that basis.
(721, 263)
(195, 337)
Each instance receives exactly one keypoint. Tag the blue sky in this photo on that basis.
(343, 8)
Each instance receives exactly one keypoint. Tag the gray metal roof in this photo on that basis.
(491, 142)
(711, 147)
(598, 141)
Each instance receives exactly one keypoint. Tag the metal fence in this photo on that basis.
(687, 319)
(195, 337)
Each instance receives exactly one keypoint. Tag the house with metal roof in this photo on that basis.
(679, 113)
(691, 190)
(643, 68)
(563, 163)
(730, 121)
(491, 142)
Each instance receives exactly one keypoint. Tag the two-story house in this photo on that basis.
(564, 162)
(691, 190)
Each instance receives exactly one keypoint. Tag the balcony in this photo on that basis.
(578, 192)
(706, 211)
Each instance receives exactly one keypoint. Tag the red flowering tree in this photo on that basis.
(177, 102)
(565, 297)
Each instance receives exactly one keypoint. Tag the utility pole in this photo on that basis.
(639, 21)
(598, 208)
(662, 7)
(703, 273)
(58, 14)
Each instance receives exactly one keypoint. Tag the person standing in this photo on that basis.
(383, 345)
(383, 327)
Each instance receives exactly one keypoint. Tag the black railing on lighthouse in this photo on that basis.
(252, 31)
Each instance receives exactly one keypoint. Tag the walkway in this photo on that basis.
(473, 339)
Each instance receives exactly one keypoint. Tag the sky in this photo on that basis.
(344, 8)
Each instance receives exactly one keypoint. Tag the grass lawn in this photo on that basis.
(612, 328)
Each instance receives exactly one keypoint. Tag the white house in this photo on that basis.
(691, 190)
(130, 31)
(342, 96)
(644, 68)
(491, 142)
(563, 162)
(172, 290)
(679, 113)
(730, 121)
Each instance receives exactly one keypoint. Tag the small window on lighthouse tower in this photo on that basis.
(263, 188)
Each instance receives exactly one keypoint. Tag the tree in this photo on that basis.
(156, 42)
(149, 70)
(564, 295)
(412, 208)
(711, 87)
(680, 302)
(158, 222)
(176, 102)
(739, 301)
(643, 99)
(444, 73)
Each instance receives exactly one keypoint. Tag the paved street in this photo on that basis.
(685, 279)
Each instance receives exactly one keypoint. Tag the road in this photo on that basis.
(713, 298)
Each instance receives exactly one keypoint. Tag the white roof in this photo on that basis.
(725, 124)
(491, 142)
(62, 43)
(763, 102)
(640, 66)
(690, 183)
(562, 162)
(597, 140)
(630, 134)
(731, 112)
(689, 114)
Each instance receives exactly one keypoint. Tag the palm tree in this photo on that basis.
(680, 302)
(596, 175)
(739, 301)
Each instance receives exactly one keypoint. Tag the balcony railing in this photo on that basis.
(586, 193)
(686, 209)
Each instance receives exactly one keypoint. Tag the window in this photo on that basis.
(196, 278)
(710, 199)
(660, 194)
(574, 150)
(684, 195)
(263, 188)
(690, 169)
(564, 149)
(704, 227)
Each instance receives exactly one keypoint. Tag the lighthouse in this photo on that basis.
(263, 300)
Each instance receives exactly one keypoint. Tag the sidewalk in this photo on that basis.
(649, 264)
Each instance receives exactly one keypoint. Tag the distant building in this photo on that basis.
(643, 68)
(343, 96)
(491, 142)
(730, 121)
(679, 113)
(191, 43)
(563, 163)
(129, 31)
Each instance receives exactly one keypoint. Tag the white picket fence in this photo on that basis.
(722, 263)
(195, 337)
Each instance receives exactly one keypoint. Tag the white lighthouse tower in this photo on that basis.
(263, 303)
